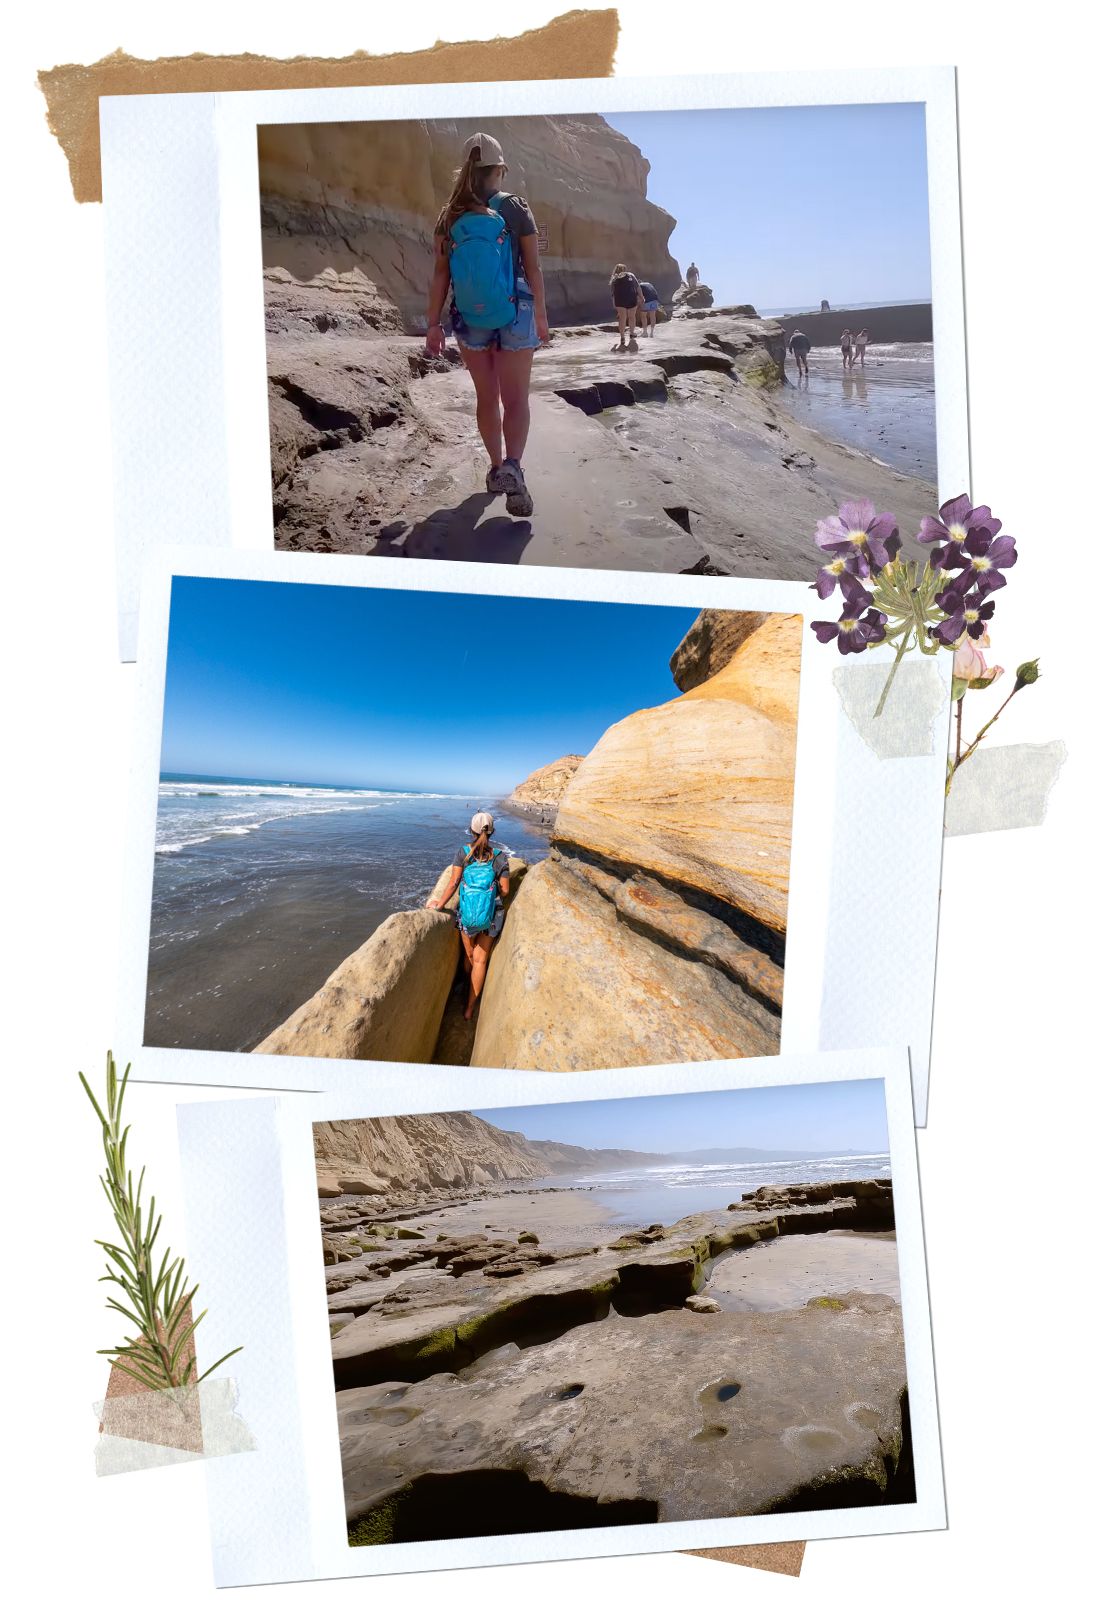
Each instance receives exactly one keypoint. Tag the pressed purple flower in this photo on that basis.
(860, 624)
(986, 555)
(950, 530)
(861, 536)
(967, 610)
(831, 574)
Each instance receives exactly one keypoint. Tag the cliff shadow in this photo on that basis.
(458, 533)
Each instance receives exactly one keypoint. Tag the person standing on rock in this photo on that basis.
(651, 304)
(479, 872)
(799, 347)
(692, 276)
(626, 297)
(487, 258)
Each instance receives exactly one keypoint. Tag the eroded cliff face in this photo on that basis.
(449, 1150)
(364, 197)
(540, 795)
(655, 930)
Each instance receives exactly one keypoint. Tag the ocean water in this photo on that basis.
(261, 889)
(637, 1197)
(886, 409)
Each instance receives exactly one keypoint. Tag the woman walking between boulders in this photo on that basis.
(626, 297)
(480, 873)
(487, 259)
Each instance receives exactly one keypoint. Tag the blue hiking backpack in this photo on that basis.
(483, 268)
(477, 894)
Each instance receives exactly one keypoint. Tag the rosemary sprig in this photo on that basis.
(159, 1296)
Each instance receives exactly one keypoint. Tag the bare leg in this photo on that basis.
(620, 312)
(631, 323)
(514, 382)
(467, 951)
(481, 365)
(481, 948)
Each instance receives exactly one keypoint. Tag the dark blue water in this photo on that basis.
(260, 890)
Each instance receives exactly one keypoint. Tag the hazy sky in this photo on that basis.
(787, 206)
(811, 1116)
(389, 688)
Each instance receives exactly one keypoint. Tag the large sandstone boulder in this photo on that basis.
(697, 299)
(385, 1002)
(540, 795)
(709, 644)
(700, 789)
(364, 197)
(573, 986)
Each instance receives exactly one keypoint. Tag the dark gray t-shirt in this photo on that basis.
(500, 861)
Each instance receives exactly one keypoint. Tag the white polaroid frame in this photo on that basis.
(184, 274)
(277, 1514)
(852, 979)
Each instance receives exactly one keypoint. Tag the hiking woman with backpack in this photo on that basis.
(480, 873)
(487, 259)
(628, 300)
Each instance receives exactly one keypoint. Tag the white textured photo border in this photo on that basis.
(183, 267)
(849, 981)
(250, 1185)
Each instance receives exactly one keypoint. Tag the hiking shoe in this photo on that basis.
(495, 481)
(519, 502)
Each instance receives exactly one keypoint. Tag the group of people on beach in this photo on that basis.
(486, 265)
(851, 346)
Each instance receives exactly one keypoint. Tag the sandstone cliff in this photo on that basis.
(451, 1150)
(364, 197)
(539, 796)
(655, 930)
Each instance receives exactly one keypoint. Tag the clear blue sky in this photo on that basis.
(804, 1116)
(394, 689)
(790, 205)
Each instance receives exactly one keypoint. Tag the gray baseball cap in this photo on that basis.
(485, 149)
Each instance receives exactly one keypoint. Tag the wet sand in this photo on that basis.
(565, 1216)
(887, 408)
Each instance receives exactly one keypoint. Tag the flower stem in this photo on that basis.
(899, 650)
(980, 735)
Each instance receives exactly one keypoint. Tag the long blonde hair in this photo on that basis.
(620, 271)
(468, 193)
(481, 849)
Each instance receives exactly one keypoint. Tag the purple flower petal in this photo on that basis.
(826, 631)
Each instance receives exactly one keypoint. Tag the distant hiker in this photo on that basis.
(692, 276)
(626, 297)
(480, 873)
(487, 257)
(846, 347)
(799, 346)
(651, 304)
(861, 346)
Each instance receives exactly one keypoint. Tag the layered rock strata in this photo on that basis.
(540, 795)
(364, 197)
(655, 929)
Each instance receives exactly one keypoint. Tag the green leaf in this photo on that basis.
(959, 687)
(218, 1363)
(981, 683)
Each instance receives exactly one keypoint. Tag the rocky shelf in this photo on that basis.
(592, 1383)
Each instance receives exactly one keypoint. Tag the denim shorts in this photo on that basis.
(517, 335)
(652, 305)
(493, 930)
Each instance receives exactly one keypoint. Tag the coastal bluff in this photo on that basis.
(362, 199)
(655, 929)
(539, 796)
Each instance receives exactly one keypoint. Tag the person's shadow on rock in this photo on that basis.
(458, 533)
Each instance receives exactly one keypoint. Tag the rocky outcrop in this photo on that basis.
(710, 643)
(450, 1150)
(385, 1002)
(539, 796)
(698, 298)
(885, 324)
(651, 1419)
(364, 198)
(655, 929)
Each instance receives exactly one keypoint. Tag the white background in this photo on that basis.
(1008, 1159)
